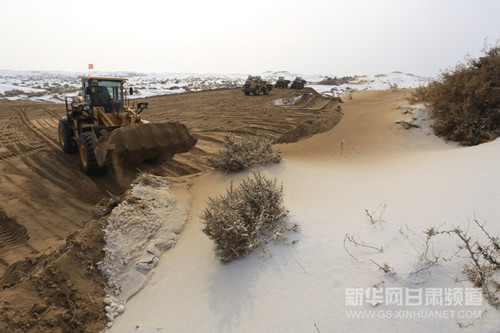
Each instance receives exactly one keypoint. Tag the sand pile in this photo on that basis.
(58, 291)
(138, 230)
(84, 284)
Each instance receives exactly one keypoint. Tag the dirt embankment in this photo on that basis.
(50, 228)
(61, 291)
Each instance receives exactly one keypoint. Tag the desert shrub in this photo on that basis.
(336, 81)
(36, 94)
(465, 101)
(393, 86)
(243, 153)
(246, 218)
(59, 89)
(484, 262)
(482, 266)
(13, 92)
(418, 95)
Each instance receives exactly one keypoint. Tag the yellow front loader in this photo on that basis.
(103, 128)
(255, 85)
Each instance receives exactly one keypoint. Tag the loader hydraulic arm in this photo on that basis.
(141, 106)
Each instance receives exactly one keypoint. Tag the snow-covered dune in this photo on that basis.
(364, 194)
(55, 86)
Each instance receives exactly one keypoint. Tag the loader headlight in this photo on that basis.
(86, 108)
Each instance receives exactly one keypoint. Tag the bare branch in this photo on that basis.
(352, 240)
(349, 253)
(428, 266)
(386, 268)
(369, 216)
(298, 263)
(494, 240)
(466, 240)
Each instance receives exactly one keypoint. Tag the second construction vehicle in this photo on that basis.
(282, 83)
(298, 83)
(103, 128)
(256, 85)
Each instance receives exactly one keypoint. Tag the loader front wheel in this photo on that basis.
(88, 161)
(67, 137)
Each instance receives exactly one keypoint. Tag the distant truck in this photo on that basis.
(256, 85)
(298, 83)
(282, 83)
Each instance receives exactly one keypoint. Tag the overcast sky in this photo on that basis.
(339, 37)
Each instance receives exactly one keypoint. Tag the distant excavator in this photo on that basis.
(104, 128)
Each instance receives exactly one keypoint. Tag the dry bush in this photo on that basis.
(418, 95)
(246, 218)
(335, 81)
(248, 151)
(465, 101)
(58, 89)
(13, 93)
(484, 265)
(36, 94)
(393, 86)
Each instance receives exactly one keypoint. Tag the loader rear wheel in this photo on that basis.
(67, 137)
(88, 161)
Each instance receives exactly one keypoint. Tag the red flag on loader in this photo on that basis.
(91, 66)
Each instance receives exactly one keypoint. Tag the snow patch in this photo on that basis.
(290, 101)
(394, 80)
(139, 229)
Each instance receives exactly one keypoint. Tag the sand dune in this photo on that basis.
(368, 130)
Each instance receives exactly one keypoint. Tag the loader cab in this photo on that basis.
(103, 92)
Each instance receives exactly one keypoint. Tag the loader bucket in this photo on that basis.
(138, 143)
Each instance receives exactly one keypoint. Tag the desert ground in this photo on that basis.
(368, 167)
(50, 282)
